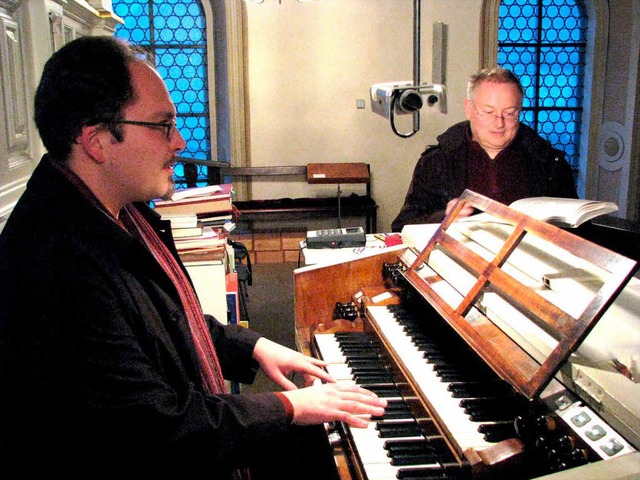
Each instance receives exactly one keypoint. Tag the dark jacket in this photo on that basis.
(441, 174)
(97, 368)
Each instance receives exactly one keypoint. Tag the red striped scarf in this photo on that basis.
(210, 371)
(138, 226)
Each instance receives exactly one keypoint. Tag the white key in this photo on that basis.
(329, 348)
(452, 415)
(339, 371)
(368, 445)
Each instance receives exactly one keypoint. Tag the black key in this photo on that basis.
(396, 410)
(398, 429)
(484, 409)
(385, 391)
(368, 379)
(452, 377)
(365, 368)
(394, 447)
(496, 432)
(413, 459)
(362, 355)
(393, 415)
(398, 404)
(477, 389)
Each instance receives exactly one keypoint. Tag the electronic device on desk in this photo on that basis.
(349, 237)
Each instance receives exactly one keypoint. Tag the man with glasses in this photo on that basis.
(491, 153)
(108, 365)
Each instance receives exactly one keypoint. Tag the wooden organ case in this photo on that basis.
(493, 345)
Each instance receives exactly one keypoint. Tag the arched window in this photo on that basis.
(174, 32)
(544, 43)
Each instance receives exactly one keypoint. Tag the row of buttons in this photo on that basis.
(591, 427)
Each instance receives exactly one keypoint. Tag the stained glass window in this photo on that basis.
(544, 42)
(174, 32)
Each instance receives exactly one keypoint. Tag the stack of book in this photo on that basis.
(209, 241)
(195, 239)
(210, 201)
(191, 209)
(200, 218)
(184, 225)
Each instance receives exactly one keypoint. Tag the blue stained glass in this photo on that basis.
(182, 59)
(189, 71)
(173, 22)
(163, 9)
(181, 35)
(175, 72)
(551, 12)
(527, 117)
(182, 84)
(192, 122)
(195, 35)
(192, 145)
(190, 97)
(199, 133)
(196, 84)
(179, 25)
(521, 22)
(188, 23)
(176, 97)
(165, 35)
(554, 84)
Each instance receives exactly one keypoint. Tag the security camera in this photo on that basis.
(398, 98)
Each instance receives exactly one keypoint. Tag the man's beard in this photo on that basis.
(171, 190)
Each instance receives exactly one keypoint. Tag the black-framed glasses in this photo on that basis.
(169, 126)
(509, 116)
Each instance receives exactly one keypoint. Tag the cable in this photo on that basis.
(392, 119)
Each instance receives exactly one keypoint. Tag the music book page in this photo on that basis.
(562, 212)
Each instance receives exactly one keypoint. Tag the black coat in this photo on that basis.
(441, 174)
(97, 369)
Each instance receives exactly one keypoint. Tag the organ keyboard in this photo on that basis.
(470, 395)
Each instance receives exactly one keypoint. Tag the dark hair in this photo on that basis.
(495, 74)
(86, 82)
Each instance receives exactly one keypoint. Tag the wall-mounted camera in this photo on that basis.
(398, 98)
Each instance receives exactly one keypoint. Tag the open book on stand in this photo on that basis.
(561, 212)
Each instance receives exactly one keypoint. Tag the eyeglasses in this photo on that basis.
(509, 116)
(169, 127)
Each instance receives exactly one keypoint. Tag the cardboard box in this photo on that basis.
(267, 241)
(269, 256)
(292, 256)
(291, 238)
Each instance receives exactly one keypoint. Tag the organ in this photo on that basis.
(506, 348)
